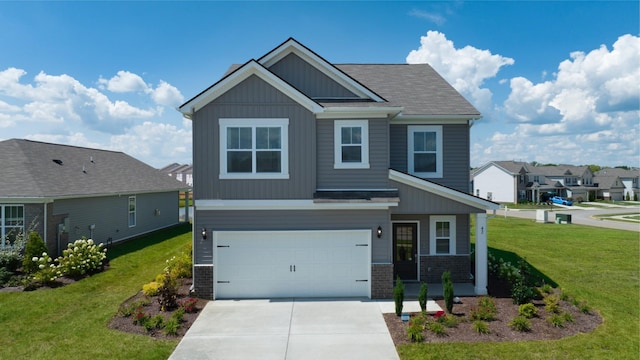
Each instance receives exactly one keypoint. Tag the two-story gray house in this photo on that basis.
(316, 179)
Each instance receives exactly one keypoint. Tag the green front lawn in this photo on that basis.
(70, 322)
(600, 266)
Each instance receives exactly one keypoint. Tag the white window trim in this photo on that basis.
(134, 212)
(283, 124)
(410, 160)
(337, 144)
(3, 222)
(432, 233)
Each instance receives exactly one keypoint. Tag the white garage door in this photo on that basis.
(267, 264)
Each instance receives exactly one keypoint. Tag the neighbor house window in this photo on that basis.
(443, 235)
(132, 211)
(351, 144)
(425, 150)
(254, 149)
(11, 224)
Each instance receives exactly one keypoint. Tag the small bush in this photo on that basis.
(398, 296)
(564, 296)
(188, 304)
(5, 275)
(485, 310)
(584, 308)
(437, 328)
(80, 258)
(140, 317)
(422, 297)
(448, 320)
(171, 327)
(180, 266)
(47, 271)
(415, 332)
(520, 323)
(178, 315)
(151, 289)
(521, 292)
(556, 320)
(168, 293)
(34, 247)
(552, 305)
(10, 260)
(546, 289)
(447, 288)
(528, 310)
(568, 317)
(157, 321)
(480, 327)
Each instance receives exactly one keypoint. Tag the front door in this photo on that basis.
(405, 251)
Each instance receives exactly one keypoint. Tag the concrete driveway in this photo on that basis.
(288, 329)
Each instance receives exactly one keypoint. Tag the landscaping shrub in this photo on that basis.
(437, 328)
(415, 332)
(5, 275)
(447, 288)
(568, 317)
(151, 289)
(520, 323)
(188, 304)
(584, 308)
(178, 315)
(47, 271)
(168, 293)
(398, 296)
(521, 292)
(180, 266)
(422, 297)
(82, 257)
(528, 310)
(480, 327)
(11, 256)
(171, 327)
(157, 321)
(140, 317)
(552, 305)
(34, 247)
(448, 320)
(556, 320)
(546, 289)
(485, 310)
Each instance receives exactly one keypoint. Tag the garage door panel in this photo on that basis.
(261, 264)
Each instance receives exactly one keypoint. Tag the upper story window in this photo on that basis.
(425, 150)
(132, 211)
(443, 235)
(351, 144)
(11, 224)
(254, 149)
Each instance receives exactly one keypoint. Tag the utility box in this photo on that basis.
(563, 218)
(542, 216)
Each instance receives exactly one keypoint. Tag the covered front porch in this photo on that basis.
(434, 290)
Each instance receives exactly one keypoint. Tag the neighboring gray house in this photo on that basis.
(317, 179)
(69, 192)
(609, 188)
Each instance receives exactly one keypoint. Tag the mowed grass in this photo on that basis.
(599, 266)
(70, 322)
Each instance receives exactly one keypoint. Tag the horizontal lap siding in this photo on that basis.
(462, 231)
(455, 139)
(293, 220)
(416, 201)
(308, 79)
(376, 177)
(253, 98)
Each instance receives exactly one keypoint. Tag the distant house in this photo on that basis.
(181, 172)
(610, 179)
(513, 181)
(69, 192)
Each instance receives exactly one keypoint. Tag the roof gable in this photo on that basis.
(245, 71)
(43, 170)
(291, 46)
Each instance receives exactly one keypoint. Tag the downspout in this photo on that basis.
(46, 241)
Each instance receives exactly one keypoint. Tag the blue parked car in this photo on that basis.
(560, 200)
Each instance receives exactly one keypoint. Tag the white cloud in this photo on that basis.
(433, 17)
(466, 68)
(167, 95)
(125, 81)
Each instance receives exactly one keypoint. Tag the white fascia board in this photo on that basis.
(442, 191)
(433, 119)
(225, 205)
(25, 200)
(241, 74)
(358, 112)
(292, 46)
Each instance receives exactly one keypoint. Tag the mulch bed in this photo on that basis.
(499, 329)
(126, 324)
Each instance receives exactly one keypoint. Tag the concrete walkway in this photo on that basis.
(289, 329)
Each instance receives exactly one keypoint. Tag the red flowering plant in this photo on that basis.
(188, 304)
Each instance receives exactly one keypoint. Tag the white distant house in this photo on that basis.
(623, 183)
(181, 172)
(500, 181)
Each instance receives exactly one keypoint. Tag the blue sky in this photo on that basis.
(557, 82)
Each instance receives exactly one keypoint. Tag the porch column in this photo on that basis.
(481, 254)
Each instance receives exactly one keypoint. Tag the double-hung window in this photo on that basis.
(425, 151)
(443, 235)
(254, 149)
(132, 211)
(11, 224)
(351, 144)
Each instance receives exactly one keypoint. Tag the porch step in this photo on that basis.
(434, 291)
(408, 306)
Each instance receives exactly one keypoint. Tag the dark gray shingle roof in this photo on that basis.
(35, 169)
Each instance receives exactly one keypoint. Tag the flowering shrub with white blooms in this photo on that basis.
(81, 257)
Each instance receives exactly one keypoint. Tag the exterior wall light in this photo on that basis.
(379, 232)
(204, 234)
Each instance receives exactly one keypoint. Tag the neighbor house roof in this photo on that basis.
(622, 173)
(34, 169)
